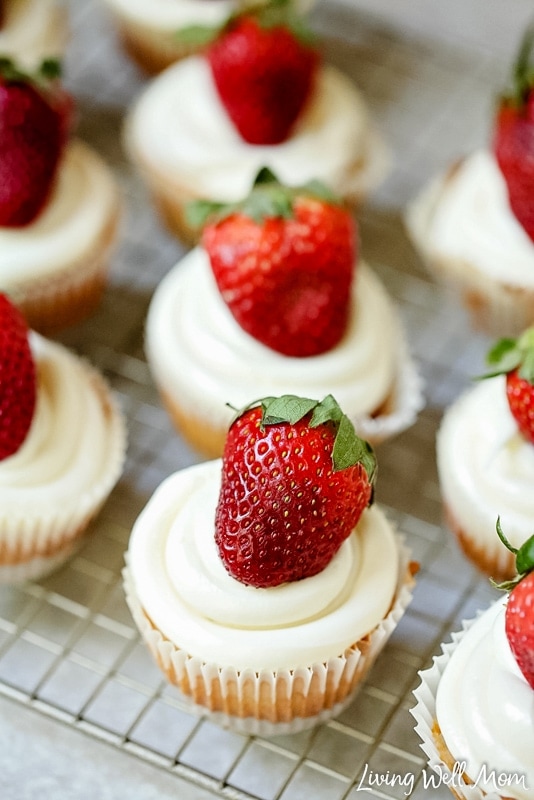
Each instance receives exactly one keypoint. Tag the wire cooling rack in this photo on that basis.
(68, 647)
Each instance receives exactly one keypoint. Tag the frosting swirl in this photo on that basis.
(465, 215)
(186, 591)
(485, 708)
(62, 467)
(180, 130)
(486, 468)
(199, 352)
(79, 210)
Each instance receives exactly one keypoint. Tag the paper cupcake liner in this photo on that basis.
(490, 556)
(35, 543)
(424, 713)
(52, 303)
(268, 702)
(494, 306)
(403, 405)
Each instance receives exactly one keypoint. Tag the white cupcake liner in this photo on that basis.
(287, 695)
(405, 402)
(424, 713)
(32, 544)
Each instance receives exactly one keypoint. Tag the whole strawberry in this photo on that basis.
(515, 359)
(519, 618)
(514, 137)
(17, 379)
(284, 263)
(34, 120)
(263, 64)
(295, 481)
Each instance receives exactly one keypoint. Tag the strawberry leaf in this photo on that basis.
(198, 35)
(524, 559)
(510, 354)
(288, 408)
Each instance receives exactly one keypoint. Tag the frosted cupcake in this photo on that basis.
(57, 230)
(277, 306)
(262, 621)
(62, 446)
(32, 30)
(475, 705)
(485, 454)
(193, 136)
(474, 225)
(149, 31)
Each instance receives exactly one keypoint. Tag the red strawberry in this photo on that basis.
(34, 121)
(263, 64)
(17, 379)
(295, 481)
(284, 263)
(515, 359)
(519, 618)
(514, 138)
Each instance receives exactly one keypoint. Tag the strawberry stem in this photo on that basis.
(524, 559)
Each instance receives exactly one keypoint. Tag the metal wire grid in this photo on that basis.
(68, 647)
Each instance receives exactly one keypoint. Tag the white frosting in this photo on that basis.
(74, 446)
(202, 357)
(180, 129)
(168, 16)
(187, 593)
(486, 468)
(485, 708)
(33, 30)
(465, 216)
(83, 202)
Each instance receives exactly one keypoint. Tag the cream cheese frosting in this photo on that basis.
(485, 708)
(180, 130)
(465, 216)
(83, 202)
(201, 356)
(33, 30)
(185, 590)
(486, 468)
(73, 453)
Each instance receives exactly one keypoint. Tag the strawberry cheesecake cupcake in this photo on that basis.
(150, 31)
(62, 447)
(474, 224)
(258, 97)
(57, 229)
(485, 456)
(32, 30)
(275, 301)
(475, 705)
(263, 621)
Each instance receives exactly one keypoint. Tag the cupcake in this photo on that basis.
(263, 620)
(475, 705)
(275, 301)
(474, 224)
(62, 445)
(485, 455)
(149, 32)
(257, 97)
(57, 229)
(32, 30)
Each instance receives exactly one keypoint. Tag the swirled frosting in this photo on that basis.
(187, 593)
(465, 216)
(485, 709)
(33, 30)
(180, 130)
(83, 202)
(74, 449)
(486, 468)
(201, 356)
